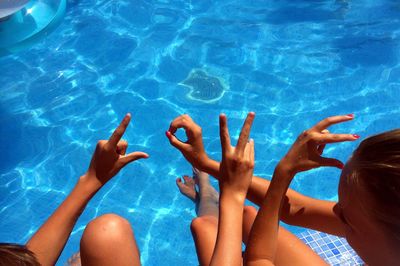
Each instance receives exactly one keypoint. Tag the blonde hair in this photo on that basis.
(376, 171)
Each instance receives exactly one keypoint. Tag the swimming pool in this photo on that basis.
(292, 62)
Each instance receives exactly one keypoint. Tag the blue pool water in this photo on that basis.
(292, 62)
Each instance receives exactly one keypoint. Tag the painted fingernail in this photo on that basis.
(350, 115)
(341, 166)
(356, 136)
(168, 134)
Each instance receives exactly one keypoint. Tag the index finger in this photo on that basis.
(224, 133)
(244, 134)
(327, 122)
(333, 138)
(183, 121)
(119, 131)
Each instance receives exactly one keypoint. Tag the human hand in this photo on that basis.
(237, 163)
(110, 156)
(305, 153)
(193, 148)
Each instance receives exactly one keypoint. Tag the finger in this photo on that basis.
(175, 141)
(252, 157)
(133, 157)
(320, 149)
(327, 122)
(331, 162)
(119, 131)
(122, 146)
(244, 134)
(224, 133)
(332, 138)
(247, 151)
(183, 121)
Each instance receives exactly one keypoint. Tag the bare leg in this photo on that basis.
(291, 250)
(207, 204)
(205, 227)
(206, 199)
(109, 240)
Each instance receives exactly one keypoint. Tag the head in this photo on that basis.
(16, 255)
(369, 198)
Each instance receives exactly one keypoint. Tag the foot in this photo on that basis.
(187, 187)
(75, 260)
(202, 179)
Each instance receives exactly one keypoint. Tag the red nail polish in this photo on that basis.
(356, 136)
(350, 115)
(168, 134)
(341, 166)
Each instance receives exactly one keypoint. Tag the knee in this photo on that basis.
(249, 211)
(203, 224)
(108, 228)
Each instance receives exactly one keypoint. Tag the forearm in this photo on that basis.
(263, 239)
(48, 242)
(228, 248)
(297, 209)
(211, 167)
(258, 189)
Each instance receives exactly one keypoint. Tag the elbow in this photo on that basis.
(290, 213)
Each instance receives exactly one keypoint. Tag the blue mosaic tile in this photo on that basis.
(334, 250)
(324, 247)
(338, 243)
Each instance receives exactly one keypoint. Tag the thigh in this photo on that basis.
(109, 240)
(291, 250)
(205, 229)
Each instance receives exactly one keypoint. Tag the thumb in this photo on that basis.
(174, 141)
(331, 162)
(133, 157)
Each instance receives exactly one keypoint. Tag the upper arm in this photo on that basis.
(300, 210)
(313, 213)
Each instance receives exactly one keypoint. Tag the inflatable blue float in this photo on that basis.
(22, 22)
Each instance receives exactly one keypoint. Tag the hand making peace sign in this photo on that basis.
(236, 169)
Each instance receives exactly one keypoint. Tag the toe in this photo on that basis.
(188, 180)
(179, 182)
